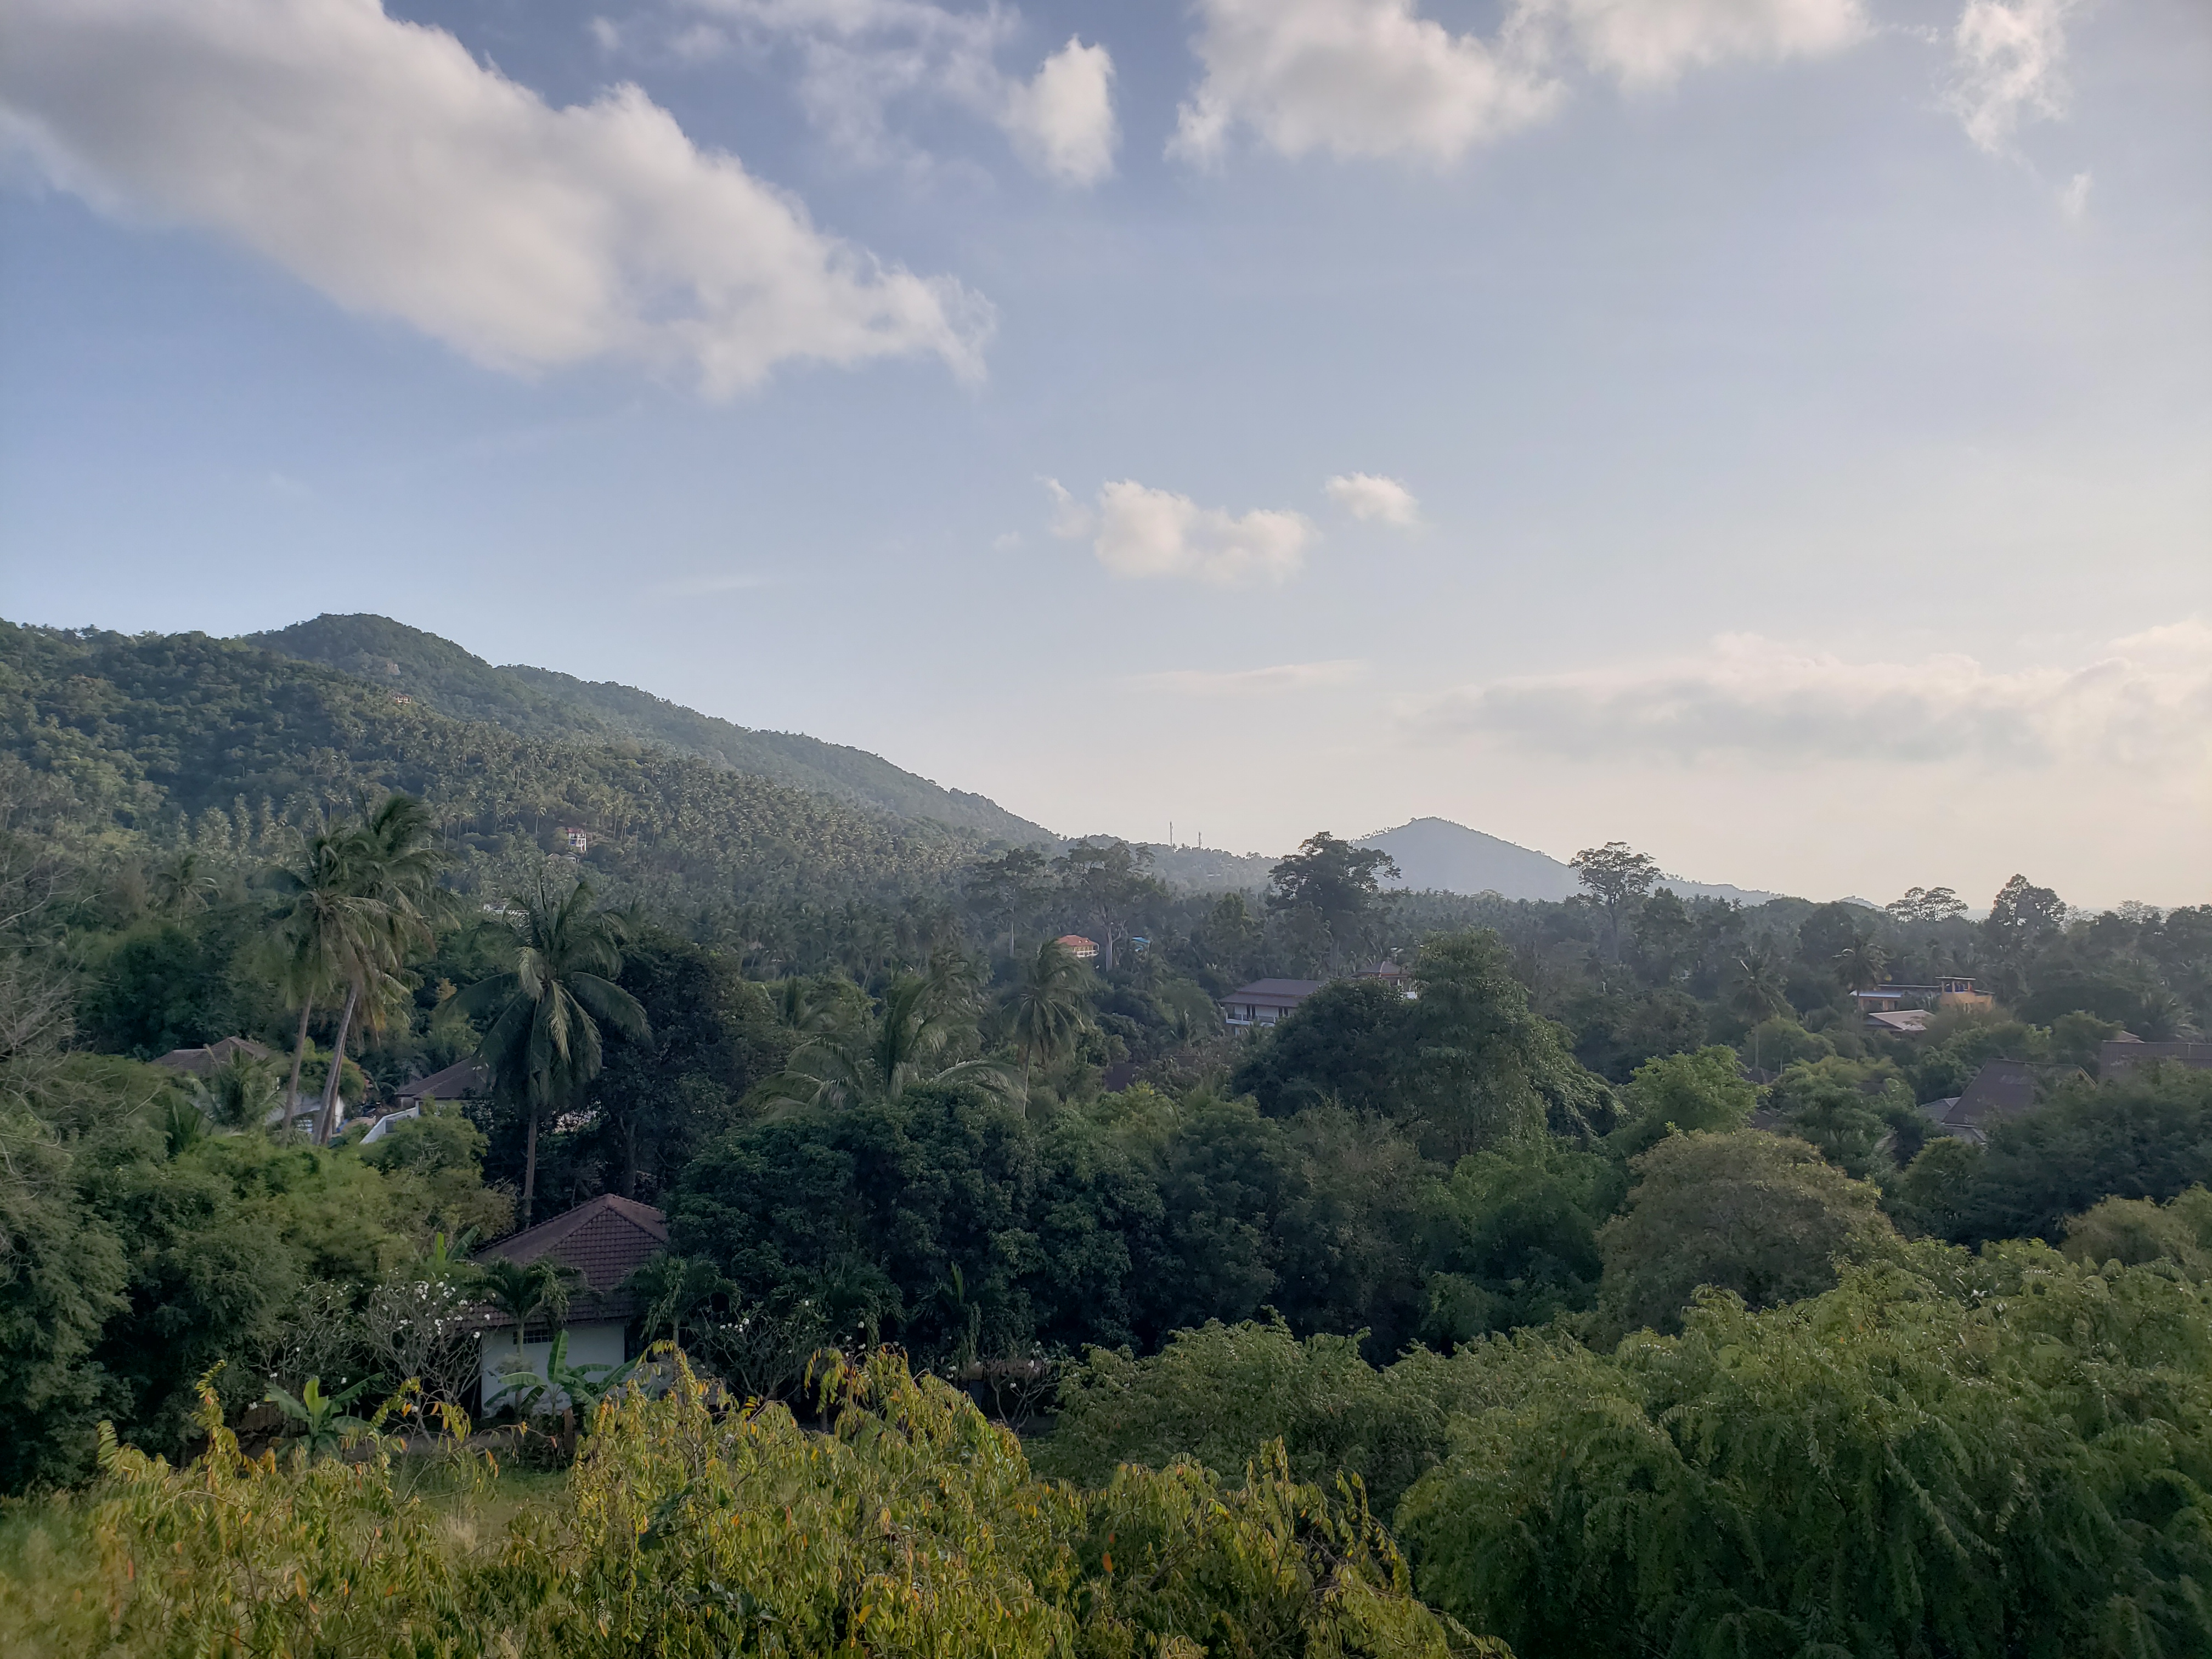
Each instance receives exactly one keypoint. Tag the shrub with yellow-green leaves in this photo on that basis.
(688, 1526)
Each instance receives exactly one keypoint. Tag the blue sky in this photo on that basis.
(1772, 431)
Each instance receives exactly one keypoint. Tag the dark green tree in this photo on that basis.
(542, 1040)
(1048, 1006)
(1616, 878)
(1106, 880)
(1340, 885)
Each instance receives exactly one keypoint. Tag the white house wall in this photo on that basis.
(598, 1342)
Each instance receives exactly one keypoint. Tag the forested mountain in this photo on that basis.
(183, 738)
(537, 702)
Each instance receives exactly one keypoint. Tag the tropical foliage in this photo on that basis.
(1607, 1251)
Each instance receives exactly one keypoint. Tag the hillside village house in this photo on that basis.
(1264, 1001)
(306, 1110)
(2125, 1052)
(1082, 949)
(604, 1241)
(1903, 1010)
(202, 1062)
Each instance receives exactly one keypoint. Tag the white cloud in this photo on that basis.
(2074, 196)
(2147, 702)
(2008, 63)
(1138, 532)
(1381, 501)
(378, 161)
(1375, 77)
(1651, 42)
(858, 57)
(1356, 77)
(1253, 682)
(1061, 120)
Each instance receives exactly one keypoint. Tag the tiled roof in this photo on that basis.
(465, 1079)
(1286, 991)
(202, 1061)
(605, 1241)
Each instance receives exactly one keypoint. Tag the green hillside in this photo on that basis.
(538, 702)
(114, 736)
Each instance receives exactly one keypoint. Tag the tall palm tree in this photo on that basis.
(181, 886)
(1761, 992)
(391, 862)
(1861, 964)
(881, 1060)
(543, 1044)
(1050, 1007)
(327, 923)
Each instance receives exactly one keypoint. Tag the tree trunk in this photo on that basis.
(630, 1159)
(326, 1124)
(1105, 943)
(299, 1057)
(530, 1166)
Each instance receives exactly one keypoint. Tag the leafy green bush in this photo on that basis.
(914, 1528)
(1760, 1215)
(1218, 1395)
(1998, 1457)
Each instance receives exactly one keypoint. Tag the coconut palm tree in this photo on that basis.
(1050, 1007)
(543, 1044)
(181, 886)
(1760, 993)
(391, 862)
(327, 922)
(882, 1059)
(1861, 963)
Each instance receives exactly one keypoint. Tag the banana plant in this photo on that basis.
(327, 1428)
(584, 1385)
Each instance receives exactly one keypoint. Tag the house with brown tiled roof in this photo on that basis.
(2002, 1089)
(1264, 1001)
(202, 1062)
(465, 1079)
(604, 1241)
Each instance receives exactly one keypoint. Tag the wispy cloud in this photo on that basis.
(2147, 699)
(2008, 60)
(1651, 42)
(1253, 682)
(1377, 78)
(858, 58)
(1378, 500)
(1138, 532)
(1356, 77)
(707, 584)
(381, 162)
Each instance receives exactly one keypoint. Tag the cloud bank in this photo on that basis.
(1376, 500)
(377, 161)
(1138, 532)
(858, 58)
(2146, 702)
(1375, 78)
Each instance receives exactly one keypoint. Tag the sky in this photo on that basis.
(1776, 434)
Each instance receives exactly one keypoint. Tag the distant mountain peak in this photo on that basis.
(1437, 852)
